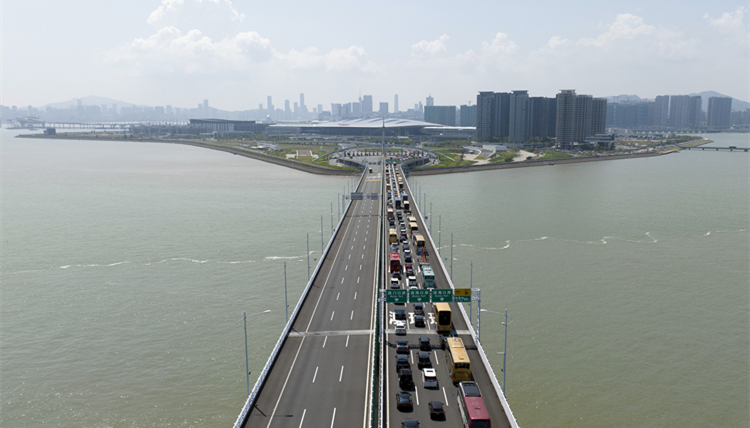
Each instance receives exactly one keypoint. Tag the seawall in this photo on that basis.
(523, 164)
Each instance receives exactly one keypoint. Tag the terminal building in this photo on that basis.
(373, 127)
(224, 126)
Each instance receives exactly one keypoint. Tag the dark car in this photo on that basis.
(419, 320)
(402, 362)
(409, 423)
(409, 269)
(419, 308)
(402, 347)
(424, 344)
(424, 360)
(403, 401)
(405, 380)
(400, 314)
(436, 410)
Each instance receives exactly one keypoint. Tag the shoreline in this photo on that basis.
(316, 169)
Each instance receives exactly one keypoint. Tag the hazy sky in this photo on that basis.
(235, 53)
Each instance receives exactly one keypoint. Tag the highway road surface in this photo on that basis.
(322, 377)
(446, 392)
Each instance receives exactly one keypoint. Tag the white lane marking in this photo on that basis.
(365, 239)
(363, 256)
(363, 247)
(347, 341)
(303, 417)
(416, 392)
(411, 357)
(437, 360)
(352, 247)
(346, 267)
(342, 280)
(332, 315)
(355, 295)
(445, 396)
(352, 316)
(324, 341)
(360, 267)
(315, 376)
(350, 256)
(341, 376)
(337, 296)
(334, 417)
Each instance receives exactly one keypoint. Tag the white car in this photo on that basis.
(429, 378)
(412, 281)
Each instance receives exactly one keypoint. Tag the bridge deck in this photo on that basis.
(447, 391)
(322, 375)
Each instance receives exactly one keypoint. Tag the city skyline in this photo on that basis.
(235, 55)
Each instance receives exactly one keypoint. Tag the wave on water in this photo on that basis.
(94, 265)
(285, 258)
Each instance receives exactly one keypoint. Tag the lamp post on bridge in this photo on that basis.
(505, 346)
(247, 363)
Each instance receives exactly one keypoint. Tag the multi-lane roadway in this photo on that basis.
(446, 392)
(322, 377)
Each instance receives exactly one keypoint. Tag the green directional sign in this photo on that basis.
(442, 295)
(419, 296)
(462, 295)
(396, 296)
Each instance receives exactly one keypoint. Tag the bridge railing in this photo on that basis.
(285, 333)
(480, 349)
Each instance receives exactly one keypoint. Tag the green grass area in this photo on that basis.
(480, 158)
(554, 155)
(504, 156)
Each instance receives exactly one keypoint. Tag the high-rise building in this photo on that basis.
(443, 115)
(539, 117)
(566, 114)
(695, 111)
(320, 108)
(485, 113)
(501, 115)
(719, 112)
(468, 115)
(269, 103)
(552, 117)
(518, 120)
(205, 105)
(599, 116)
(367, 104)
(336, 109)
(383, 111)
(114, 109)
(169, 110)
(395, 103)
(678, 111)
(661, 111)
(430, 101)
(583, 115)
(287, 110)
(301, 101)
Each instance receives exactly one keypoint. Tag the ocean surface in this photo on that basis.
(126, 268)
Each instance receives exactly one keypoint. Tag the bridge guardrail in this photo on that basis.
(285, 333)
(480, 349)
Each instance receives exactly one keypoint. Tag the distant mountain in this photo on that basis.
(89, 101)
(736, 104)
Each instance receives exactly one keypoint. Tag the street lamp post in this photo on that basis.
(308, 255)
(505, 345)
(247, 363)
